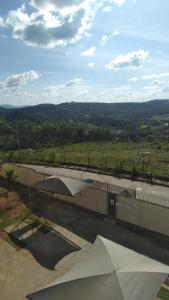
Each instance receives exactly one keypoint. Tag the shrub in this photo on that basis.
(10, 175)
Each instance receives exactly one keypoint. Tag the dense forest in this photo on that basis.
(52, 125)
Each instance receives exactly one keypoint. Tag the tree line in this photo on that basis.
(49, 134)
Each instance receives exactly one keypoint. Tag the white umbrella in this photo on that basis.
(108, 271)
(61, 185)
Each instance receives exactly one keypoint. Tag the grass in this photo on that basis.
(102, 155)
(7, 221)
(163, 294)
(2, 190)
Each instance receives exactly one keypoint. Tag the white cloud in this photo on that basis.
(106, 38)
(131, 59)
(157, 82)
(83, 92)
(91, 64)
(165, 89)
(55, 4)
(73, 90)
(58, 25)
(17, 80)
(125, 88)
(118, 2)
(149, 88)
(133, 79)
(1, 22)
(107, 9)
(74, 82)
(89, 52)
(51, 23)
(154, 76)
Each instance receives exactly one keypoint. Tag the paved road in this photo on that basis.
(144, 191)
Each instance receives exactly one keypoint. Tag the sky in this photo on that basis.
(55, 51)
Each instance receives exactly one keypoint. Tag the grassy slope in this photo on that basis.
(103, 154)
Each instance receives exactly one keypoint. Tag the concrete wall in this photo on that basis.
(143, 214)
(90, 198)
(26, 176)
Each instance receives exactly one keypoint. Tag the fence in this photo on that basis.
(132, 169)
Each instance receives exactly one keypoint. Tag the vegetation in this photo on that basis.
(54, 125)
(163, 294)
(117, 157)
(6, 220)
(10, 175)
(102, 135)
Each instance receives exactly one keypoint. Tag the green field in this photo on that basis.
(104, 155)
(164, 294)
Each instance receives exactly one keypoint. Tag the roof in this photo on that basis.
(108, 271)
(61, 185)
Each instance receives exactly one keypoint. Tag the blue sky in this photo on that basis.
(83, 50)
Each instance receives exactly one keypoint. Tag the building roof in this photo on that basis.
(108, 271)
(61, 185)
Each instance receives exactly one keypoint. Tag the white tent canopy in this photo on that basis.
(108, 271)
(61, 185)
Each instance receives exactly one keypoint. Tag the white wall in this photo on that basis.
(90, 198)
(143, 214)
(26, 176)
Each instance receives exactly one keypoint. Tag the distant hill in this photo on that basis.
(96, 113)
(8, 106)
(49, 125)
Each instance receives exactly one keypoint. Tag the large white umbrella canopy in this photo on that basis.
(61, 185)
(108, 271)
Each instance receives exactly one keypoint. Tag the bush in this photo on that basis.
(10, 175)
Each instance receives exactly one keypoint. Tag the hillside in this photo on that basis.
(97, 113)
(49, 125)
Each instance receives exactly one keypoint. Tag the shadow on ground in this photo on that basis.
(88, 225)
(47, 247)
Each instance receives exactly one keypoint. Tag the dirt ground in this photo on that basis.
(11, 206)
(21, 273)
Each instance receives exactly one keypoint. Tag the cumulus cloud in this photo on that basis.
(91, 64)
(51, 23)
(165, 89)
(53, 4)
(1, 22)
(133, 79)
(89, 52)
(157, 82)
(72, 90)
(118, 2)
(124, 88)
(51, 27)
(132, 59)
(154, 76)
(107, 9)
(74, 82)
(15, 81)
(106, 38)
(71, 84)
